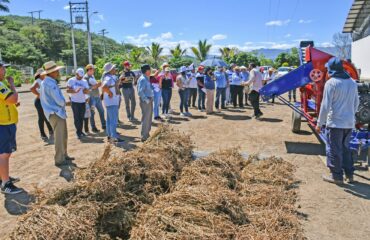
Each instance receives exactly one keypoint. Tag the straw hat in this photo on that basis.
(167, 69)
(89, 66)
(39, 72)
(243, 68)
(51, 67)
(236, 68)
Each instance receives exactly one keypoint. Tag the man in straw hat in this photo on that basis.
(111, 99)
(54, 106)
(146, 95)
(95, 101)
(77, 87)
(128, 80)
(8, 128)
(35, 89)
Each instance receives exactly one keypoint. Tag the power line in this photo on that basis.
(103, 32)
(32, 12)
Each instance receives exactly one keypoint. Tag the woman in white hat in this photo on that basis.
(182, 83)
(35, 89)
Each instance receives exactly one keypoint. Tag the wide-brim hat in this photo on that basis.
(51, 66)
(183, 69)
(89, 66)
(39, 72)
(108, 67)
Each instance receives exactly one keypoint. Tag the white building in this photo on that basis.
(358, 24)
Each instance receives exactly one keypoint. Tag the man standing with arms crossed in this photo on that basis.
(8, 128)
(128, 79)
(338, 107)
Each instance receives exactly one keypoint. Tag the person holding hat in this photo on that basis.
(54, 106)
(94, 99)
(128, 80)
(193, 86)
(209, 85)
(145, 92)
(35, 89)
(182, 83)
(337, 113)
(111, 99)
(8, 129)
(77, 87)
(221, 84)
(236, 88)
(201, 90)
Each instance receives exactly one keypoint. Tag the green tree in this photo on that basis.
(285, 64)
(178, 52)
(155, 51)
(294, 57)
(178, 62)
(281, 58)
(202, 51)
(3, 5)
(244, 59)
(265, 61)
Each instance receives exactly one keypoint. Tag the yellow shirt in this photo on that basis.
(8, 113)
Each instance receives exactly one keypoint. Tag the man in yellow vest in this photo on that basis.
(8, 128)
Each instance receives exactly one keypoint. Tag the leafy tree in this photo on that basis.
(3, 5)
(202, 51)
(244, 59)
(177, 52)
(294, 57)
(265, 61)
(178, 62)
(285, 64)
(155, 51)
(282, 58)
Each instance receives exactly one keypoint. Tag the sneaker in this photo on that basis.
(118, 140)
(12, 179)
(349, 179)
(51, 137)
(95, 130)
(68, 158)
(10, 188)
(188, 114)
(182, 114)
(83, 134)
(330, 179)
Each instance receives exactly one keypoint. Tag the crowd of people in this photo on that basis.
(206, 89)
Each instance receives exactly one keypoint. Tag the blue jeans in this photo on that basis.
(95, 103)
(201, 99)
(112, 121)
(220, 92)
(184, 100)
(166, 96)
(338, 153)
(156, 102)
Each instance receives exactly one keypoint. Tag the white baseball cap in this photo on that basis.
(80, 72)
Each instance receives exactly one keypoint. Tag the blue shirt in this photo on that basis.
(339, 104)
(209, 83)
(220, 79)
(236, 79)
(52, 99)
(144, 88)
(245, 76)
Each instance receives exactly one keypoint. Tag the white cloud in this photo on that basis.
(66, 7)
(167, 35)
(326, 44)
(101, 17)
(147, 24)
(277, 23)
(218, 37)
(288, 35)
(139, 40)
(304, 21)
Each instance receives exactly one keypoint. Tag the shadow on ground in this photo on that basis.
(18, 204)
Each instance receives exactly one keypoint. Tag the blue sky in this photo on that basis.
(246, 24)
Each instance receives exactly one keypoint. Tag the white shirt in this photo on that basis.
(38, 81)
(75, 84)
(110, 81)
(255, 80)
(192, 81)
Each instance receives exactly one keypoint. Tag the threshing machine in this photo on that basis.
(310, 78)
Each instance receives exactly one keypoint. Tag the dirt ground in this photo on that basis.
(328, 211)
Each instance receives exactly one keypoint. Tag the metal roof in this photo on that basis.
(360, 10)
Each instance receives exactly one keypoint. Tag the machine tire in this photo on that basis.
(296, 122)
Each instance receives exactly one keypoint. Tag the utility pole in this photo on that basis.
(32, 12)
(73, 38)
(103, 32)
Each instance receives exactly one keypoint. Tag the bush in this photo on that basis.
(16, 74)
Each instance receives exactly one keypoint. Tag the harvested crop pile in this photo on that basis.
(105, 198)
(223, 196)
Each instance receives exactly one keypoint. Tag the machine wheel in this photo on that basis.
(296, 122)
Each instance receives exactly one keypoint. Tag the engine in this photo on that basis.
(363, 113)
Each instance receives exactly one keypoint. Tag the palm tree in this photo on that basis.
(227, 52)
(135, 55)
(202, 51)
(155, 51)
(177, 52)
(3, 5)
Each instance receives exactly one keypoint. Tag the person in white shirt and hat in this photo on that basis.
(182, 83)
(54, 106)
(111, 99)
(77, 87)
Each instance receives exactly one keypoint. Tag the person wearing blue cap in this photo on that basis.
(182, 83)
(338, 107)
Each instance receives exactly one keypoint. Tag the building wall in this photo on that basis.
(361, 56)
